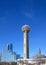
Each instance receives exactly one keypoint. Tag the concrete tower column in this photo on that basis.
(26, 29)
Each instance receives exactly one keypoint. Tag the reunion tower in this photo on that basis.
(26, 29)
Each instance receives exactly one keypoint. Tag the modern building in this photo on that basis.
(8, 55)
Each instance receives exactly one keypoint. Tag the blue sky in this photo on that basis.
(13, 15)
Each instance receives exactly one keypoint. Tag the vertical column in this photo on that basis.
(26, 48)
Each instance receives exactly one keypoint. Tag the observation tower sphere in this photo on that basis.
(25, 28)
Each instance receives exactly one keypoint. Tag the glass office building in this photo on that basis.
(8, 55)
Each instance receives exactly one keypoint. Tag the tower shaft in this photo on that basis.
(26, 45)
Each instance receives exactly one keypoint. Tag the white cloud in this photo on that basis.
(29, 15)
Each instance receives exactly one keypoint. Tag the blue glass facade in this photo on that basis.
(8, 55)
(17, 56)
